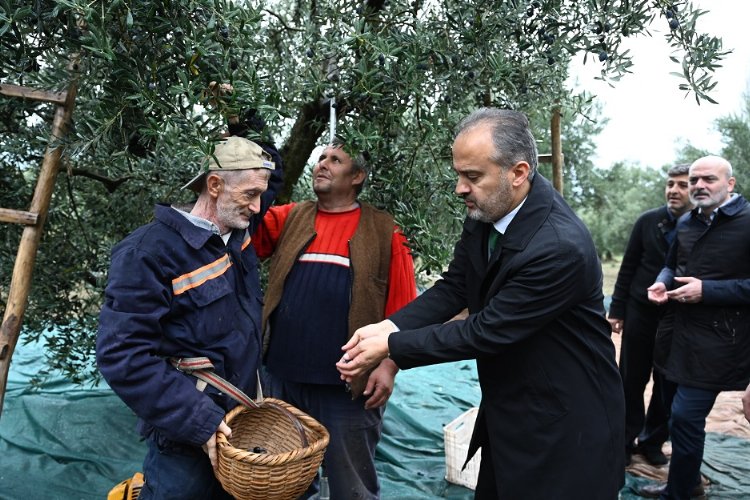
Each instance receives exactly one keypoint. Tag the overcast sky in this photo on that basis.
(648, 114)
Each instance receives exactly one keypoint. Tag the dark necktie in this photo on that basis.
(492, 241)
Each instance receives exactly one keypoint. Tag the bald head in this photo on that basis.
(716, 162)
(710, 182)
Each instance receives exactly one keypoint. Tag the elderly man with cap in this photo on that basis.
(186, 286)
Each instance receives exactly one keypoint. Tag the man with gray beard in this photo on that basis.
(703, 345)
(183, 287)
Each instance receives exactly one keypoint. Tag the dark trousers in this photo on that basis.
(687, 425)
(176, 472)
(636, 365)
(349, 461)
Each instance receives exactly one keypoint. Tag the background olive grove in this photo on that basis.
(402, 73)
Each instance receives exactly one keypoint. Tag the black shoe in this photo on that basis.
(652, 454)
(656, 490)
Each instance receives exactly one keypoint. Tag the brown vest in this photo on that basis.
(369, 261)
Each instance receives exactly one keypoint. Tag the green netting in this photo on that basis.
(68, 442)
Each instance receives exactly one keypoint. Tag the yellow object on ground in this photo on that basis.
(128, 489)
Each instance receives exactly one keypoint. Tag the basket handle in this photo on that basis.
(292, 418)
(202, 369)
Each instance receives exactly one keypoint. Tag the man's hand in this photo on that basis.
(210, 446)
(657, 293)
(365, 350)
(616, 324)
(746, 403)
(216, 91)
(691, 292)
(380, 384)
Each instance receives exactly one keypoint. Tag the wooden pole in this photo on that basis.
(20, 283)
(557, 158)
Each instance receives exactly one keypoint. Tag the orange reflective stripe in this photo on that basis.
(247, 241)
(183, 283)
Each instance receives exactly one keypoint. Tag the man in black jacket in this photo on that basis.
(636, 318)
(551, 421)
(707, 281)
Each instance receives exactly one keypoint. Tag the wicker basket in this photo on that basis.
(290, 459)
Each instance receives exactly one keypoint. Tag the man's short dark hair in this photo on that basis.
(360, 161)
(679, 169)
(511, 136)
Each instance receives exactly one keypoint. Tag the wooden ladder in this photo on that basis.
(33, 219)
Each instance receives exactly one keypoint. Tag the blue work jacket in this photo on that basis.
(176, 290)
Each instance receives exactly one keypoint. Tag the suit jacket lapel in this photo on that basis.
(524, 225)
(526, 222)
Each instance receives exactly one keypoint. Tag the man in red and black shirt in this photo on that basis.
(337, 264)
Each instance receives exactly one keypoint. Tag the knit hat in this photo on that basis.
(233, 153)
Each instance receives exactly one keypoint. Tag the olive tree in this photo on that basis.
(396, 74)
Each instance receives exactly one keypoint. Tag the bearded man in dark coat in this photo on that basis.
(703, 342)
(551, 420)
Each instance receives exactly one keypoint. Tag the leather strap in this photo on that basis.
(202, 369)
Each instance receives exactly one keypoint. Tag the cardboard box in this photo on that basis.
(457, 435)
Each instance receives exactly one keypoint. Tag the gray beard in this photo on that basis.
(477, 214)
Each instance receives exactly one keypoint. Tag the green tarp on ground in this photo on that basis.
(68, 442)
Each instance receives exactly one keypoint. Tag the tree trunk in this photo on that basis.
(310, 125)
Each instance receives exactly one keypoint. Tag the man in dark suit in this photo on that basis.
(705, 347)
(637, 319)
(551, 420)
